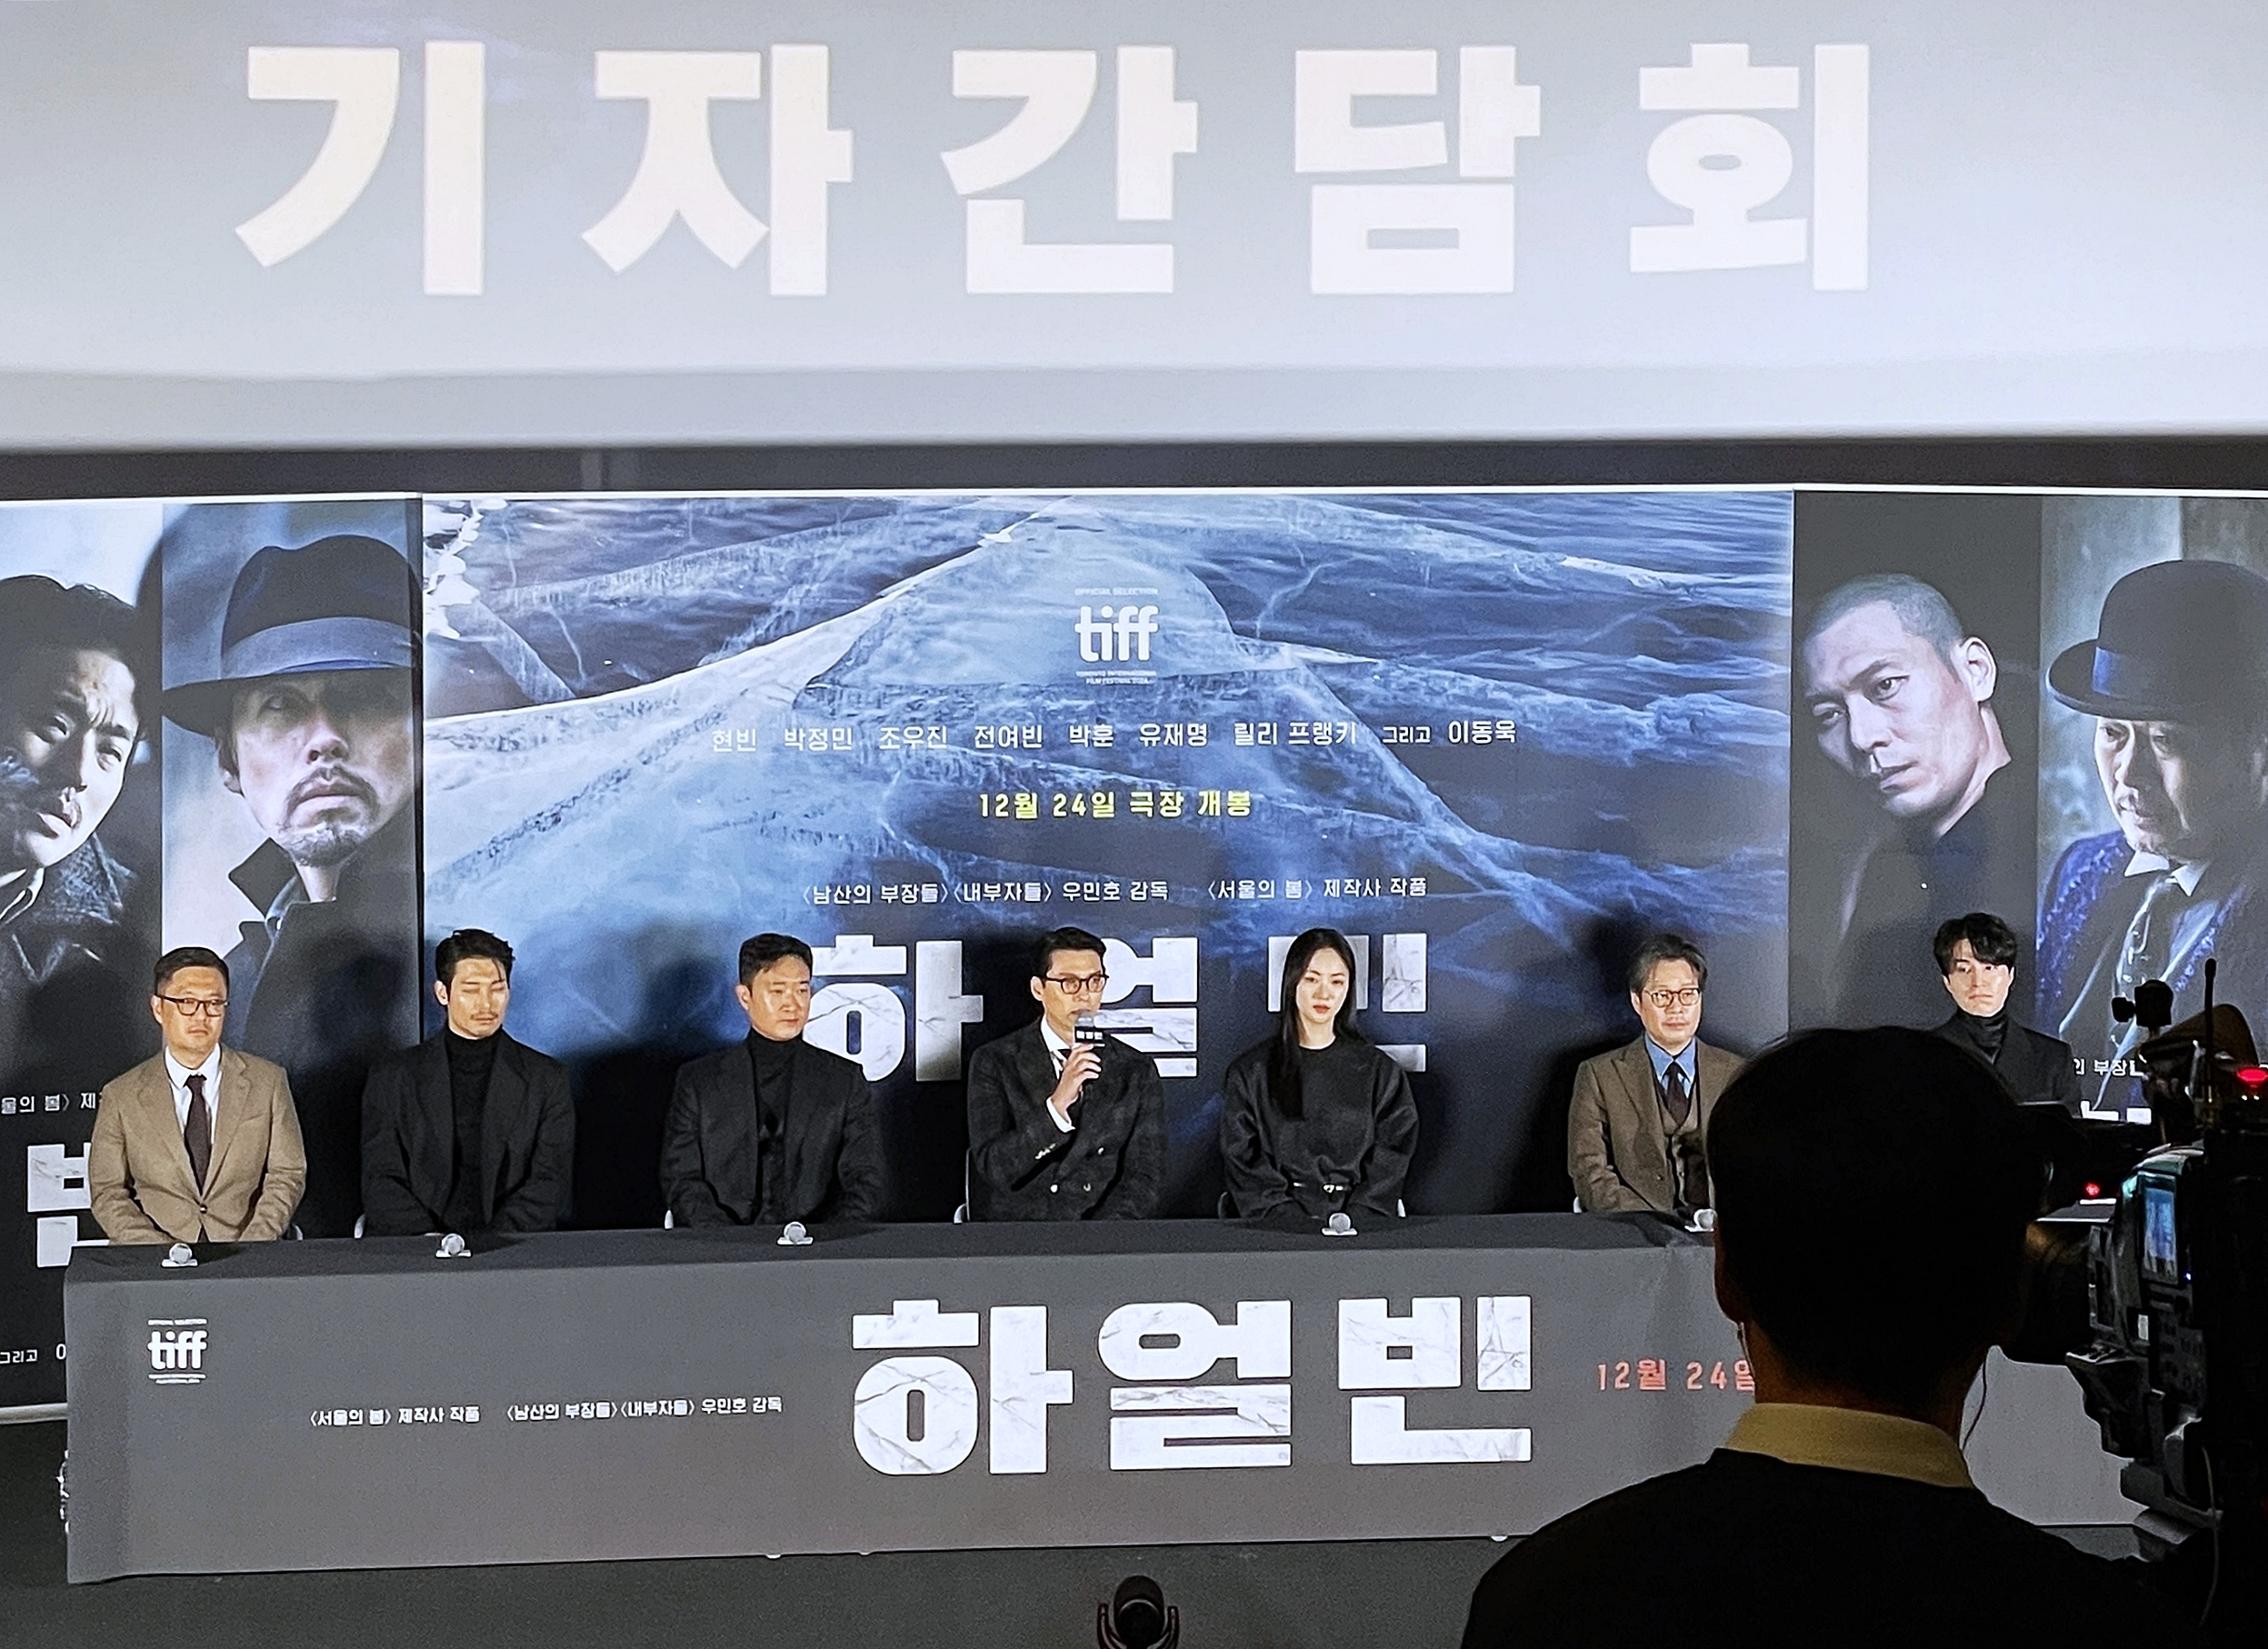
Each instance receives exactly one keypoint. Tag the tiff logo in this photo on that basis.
(177, 1347)
(1130, 631)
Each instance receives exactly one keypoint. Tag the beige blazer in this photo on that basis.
(1615, 1151)
(137, 1168)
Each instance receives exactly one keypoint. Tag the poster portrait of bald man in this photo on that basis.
(1911, 797)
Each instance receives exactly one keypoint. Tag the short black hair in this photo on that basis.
(1991, 940)
(1817, 1136)
(188, 955)
(1922, 611)
(463, 945)
(1060, 939)
(761, 952)
(38, 612)
(1667, 947)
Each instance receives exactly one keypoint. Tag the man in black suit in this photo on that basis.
(774, 1130)
(1840, 1509)
(469, 1131)
(1977, 956)
(1059, 1130)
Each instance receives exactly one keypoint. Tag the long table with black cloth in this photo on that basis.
(669, 1394)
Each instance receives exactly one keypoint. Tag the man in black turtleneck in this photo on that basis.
(469, 1131)
(775, 1129)
(1977, 956)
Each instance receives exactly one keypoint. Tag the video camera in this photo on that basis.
(2174, 1359)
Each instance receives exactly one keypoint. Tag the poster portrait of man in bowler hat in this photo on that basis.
(2176, 679)
(310, 710)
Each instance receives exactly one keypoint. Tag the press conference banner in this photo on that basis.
(489, 221)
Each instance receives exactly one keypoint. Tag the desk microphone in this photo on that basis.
(453, 1247)
(178, 1255)
(1338, 1225)
(1137, 1618)
(794, 1235)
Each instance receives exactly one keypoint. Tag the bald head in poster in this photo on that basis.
(1901, 698)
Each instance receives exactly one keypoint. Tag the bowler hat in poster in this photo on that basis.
(2175, 638)
(341, 602)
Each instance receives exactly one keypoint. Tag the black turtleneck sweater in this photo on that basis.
(1984, 1035)
(773, 1064)
(471, 1065)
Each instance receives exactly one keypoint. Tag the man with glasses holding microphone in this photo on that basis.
(1065, 1123)
(1637, 1130)
(200, 1144)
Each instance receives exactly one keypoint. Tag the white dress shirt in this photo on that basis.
(1059, 1051)
(180, 1074)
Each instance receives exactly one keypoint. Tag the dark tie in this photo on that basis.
(1675, 1099)
(197, 1133)
(2148, 945)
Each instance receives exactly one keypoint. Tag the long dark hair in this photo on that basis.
(1284, 1062)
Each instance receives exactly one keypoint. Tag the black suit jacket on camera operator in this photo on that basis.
(2037, 1068)
(409, 1138)
(828, 1161)
(1022, 1166)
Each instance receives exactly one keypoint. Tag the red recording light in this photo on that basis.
(2094, 1190)
(2252, 1078)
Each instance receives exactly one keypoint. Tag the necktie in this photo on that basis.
(2149, 945)
(197, 1133)
(1675, 1098)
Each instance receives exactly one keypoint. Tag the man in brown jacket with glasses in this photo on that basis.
(200, 1144)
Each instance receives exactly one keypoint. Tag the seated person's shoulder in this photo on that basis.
(839, 1067)
(706, 1068)
(257, 1068)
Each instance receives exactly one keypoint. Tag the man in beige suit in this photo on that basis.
(1637, 1129)
(200, 1144)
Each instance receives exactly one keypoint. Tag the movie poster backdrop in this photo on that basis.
(2153, 785)
(79, 865)
(105, 868)
(292, 820)
(1493, 737)
(1914, 764)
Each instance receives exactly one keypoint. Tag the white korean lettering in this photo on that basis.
(1260, 1343)
(1410, 238)
(1723, 161)
(1427, 1340)
(677, 174)
(1022, 1389)
(901, 1396)
(808, 155)
(364, 84)
(940, 1010)
(1153, 129)
(1379, 1436)
(912, 1323)
(456, 101)
(1057, 89)
(1163, 1428)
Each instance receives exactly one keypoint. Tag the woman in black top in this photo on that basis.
(1314, 1120)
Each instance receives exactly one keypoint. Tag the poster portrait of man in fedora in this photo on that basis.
(2175, 680)
(310, 710)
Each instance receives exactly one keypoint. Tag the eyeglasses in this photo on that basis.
(199, 1007)
(1077, 985)
(1681, 999)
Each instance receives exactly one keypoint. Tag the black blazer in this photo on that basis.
(1022, 1166)
(409, 1137)
(2036, 1067)
(711, 1171)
